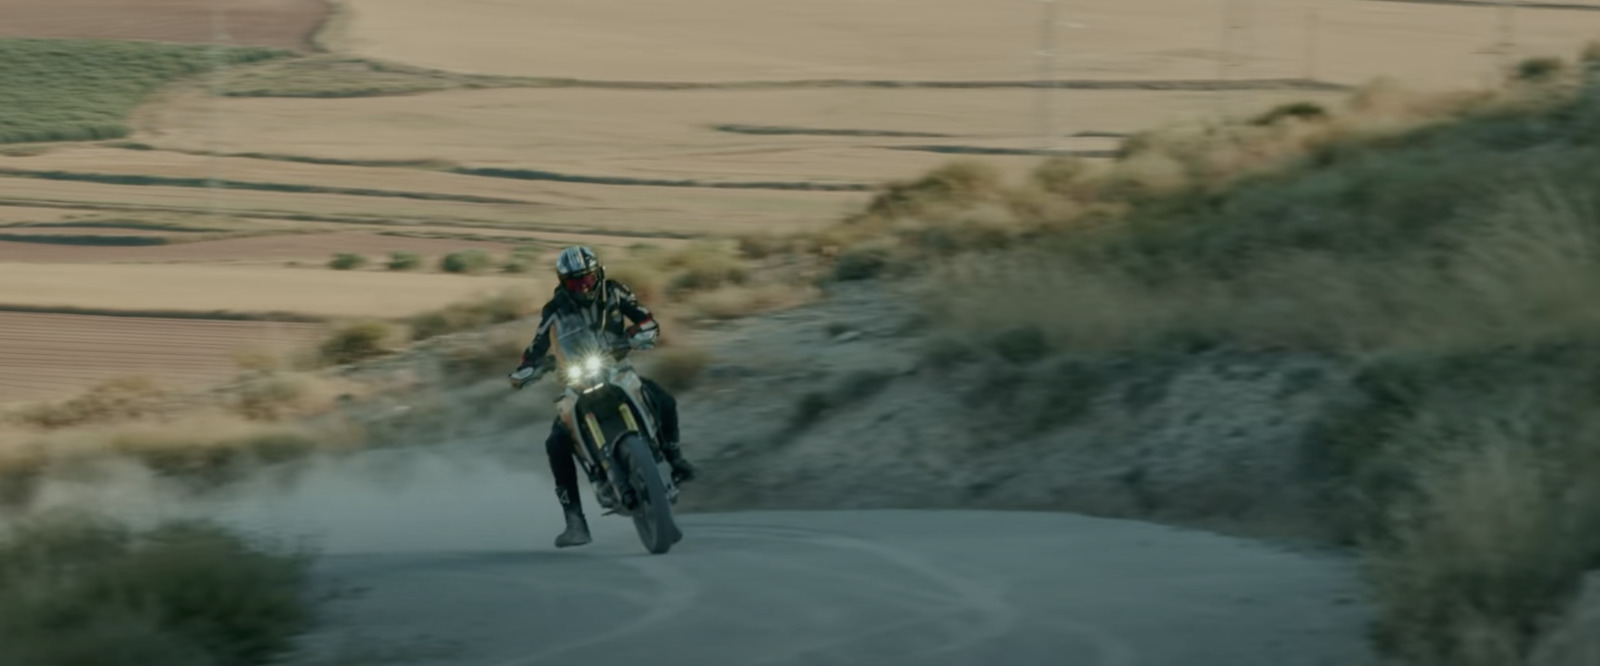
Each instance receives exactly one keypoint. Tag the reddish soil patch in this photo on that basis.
(281, 23)
(52, 356)
(313, 247)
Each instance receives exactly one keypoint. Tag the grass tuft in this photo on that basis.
(355, 341)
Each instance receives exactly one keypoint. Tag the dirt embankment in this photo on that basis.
(847, 404)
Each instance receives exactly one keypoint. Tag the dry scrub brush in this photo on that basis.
(1447, 246)
(89, 592)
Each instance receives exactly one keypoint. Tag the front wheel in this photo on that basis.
(652, 513)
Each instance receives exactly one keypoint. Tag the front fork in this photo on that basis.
(609, 479)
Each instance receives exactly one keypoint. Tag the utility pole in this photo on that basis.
(1047, 73)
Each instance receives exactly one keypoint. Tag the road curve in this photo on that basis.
(449, 551)
(876, 588)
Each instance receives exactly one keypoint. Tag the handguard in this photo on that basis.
(644, 339)
(521, 377)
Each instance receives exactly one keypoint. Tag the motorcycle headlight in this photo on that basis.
(587, 369)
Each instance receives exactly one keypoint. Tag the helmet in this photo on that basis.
(580, 272)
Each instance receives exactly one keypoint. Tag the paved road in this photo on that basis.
(872, 588)
(452, 557)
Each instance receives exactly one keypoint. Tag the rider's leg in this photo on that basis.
(667, 408)
(565, 471)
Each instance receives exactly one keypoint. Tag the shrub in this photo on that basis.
(404, 261)
(86, 591)
(495, 309)
(465, 261)
(956, 184)
(355, 341)
(704, 265)
(861, 263)
(345, 261)
(743, 301)
(115, 399)
(1539, 69)
(1297, 110)
(677, 368)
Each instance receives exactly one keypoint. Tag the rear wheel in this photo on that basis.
(652, 515)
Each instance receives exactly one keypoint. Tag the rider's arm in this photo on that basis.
(540, 346)
(643, 320)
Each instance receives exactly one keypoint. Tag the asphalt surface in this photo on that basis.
(885, 588)
(451, 563)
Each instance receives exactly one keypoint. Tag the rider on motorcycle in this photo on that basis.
(584, 289)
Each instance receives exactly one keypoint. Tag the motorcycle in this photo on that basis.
(618, 446)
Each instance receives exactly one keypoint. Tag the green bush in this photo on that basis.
(465, 261)
(404, 261)
(84, 591)
(345, 261)
(83, 90)
(861, 263)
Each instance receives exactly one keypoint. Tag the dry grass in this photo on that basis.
(359, 340)
(743, 301)
(677, 368)
(117, 399)
(497, 308)
(1449, 248)
(87, 591)
(280, 396)
(198, 448)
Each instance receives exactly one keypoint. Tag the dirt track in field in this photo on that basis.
(281, 23)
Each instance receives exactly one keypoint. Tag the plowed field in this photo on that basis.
(44, 356)
(282, 23)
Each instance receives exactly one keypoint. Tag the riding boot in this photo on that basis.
(577, 532)
(682, 469)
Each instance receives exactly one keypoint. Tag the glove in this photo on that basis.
(644, 339)
(522, 376)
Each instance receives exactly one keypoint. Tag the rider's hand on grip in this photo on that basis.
(521, 377)
(643, 340)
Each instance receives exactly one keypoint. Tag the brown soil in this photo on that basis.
(281, 23)
(51, 356)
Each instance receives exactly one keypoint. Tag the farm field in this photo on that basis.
(48, 356)
(722, 40)
(354, 163)
(278, 23)
(708, 135)
(311, 248)
(311, 291)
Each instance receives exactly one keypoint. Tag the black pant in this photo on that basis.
(559, 444)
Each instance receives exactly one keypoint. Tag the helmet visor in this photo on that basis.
(581, 284)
